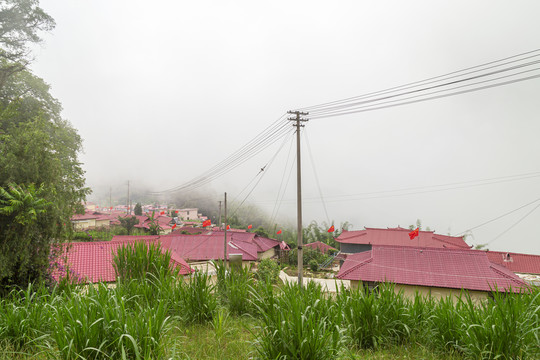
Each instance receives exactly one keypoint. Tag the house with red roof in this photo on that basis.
(90, 220)
(526, 266)
(352, 242)
(93, 261)
(320, 246)
(437, 272)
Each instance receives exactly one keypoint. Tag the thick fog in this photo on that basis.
(161, 91)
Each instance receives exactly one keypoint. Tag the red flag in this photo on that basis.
(161, 213)
(176, 211)
(206, 223)
(228, 227)
(174, 226)
(111, 207)
(331, 229)
(250, 226)
(413, 234)
(279, 232)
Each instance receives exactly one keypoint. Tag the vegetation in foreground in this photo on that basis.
(153, 314)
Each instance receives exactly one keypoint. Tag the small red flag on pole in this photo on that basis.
(250, 226)
(206, 223)
(279, 232)
(331, 229)
(174, 226)
(228, 227)
(413, 234)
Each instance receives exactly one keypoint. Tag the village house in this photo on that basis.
(436, 272)
(526, 266)
(90, 220)
(321, 247)
(352, 242)
(92, 262)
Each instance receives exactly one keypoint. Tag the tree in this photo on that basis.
(154, 227)
(23, 213)
(138, 209)
(20, 23)
(42, 180)
(128, 222)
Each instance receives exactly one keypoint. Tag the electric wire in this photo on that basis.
(430, 98)
(423, 82)
(497, 218)
(388, 193)
(264, 171)
(268, 136)
(368, 104)
(316, 177)
(514, 224)
(279, 200)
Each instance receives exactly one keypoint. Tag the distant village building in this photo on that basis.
(352, 242)
(188, 214)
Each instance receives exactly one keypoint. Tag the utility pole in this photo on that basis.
(128, 203)
(219, 222)
(110, 199)
(225, 241)
(299, 235)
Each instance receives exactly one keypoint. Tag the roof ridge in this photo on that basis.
(504, 274)
(360, 264)
(241, 248)
(449, 242)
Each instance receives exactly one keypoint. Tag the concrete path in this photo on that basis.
(328, 284)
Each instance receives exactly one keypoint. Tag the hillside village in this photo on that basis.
(432, 264)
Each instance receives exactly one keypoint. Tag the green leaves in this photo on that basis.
(22, 203)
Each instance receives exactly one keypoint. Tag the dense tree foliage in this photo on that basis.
(128, 223)
(138, 209)
(41, 178)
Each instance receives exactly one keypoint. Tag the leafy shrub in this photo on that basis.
(313, 265)
(268, 270)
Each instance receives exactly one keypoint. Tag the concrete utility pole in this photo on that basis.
(299, 235)
(128, 203)
(219, 222)
(225, 241)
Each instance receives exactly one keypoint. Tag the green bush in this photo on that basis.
(268, 270)
(313, 265)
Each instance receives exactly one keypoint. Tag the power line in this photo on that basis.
(275, 209)
(267, 137)
(425, 81)
(421, 189)
(498, 217)
(514, 224)
(378, 107)
(316, 177)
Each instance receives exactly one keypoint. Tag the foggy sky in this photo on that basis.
(160, 91)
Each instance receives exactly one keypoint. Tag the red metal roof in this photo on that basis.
(93, 261)
(515, 262)
(400, 236)
(318, 245)
(457, 269)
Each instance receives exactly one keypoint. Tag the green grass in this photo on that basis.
(154, 314)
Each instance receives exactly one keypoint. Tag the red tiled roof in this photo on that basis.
(93, 261)
(457, 269)
(400, 236)
(207, 247)
(515, 262)
(318, 245)
(265, 244)
(188, 229)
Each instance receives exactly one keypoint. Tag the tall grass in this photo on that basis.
(24, 316)
(197, 303)
(376, 318)
(233, 286)
(296, 324)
